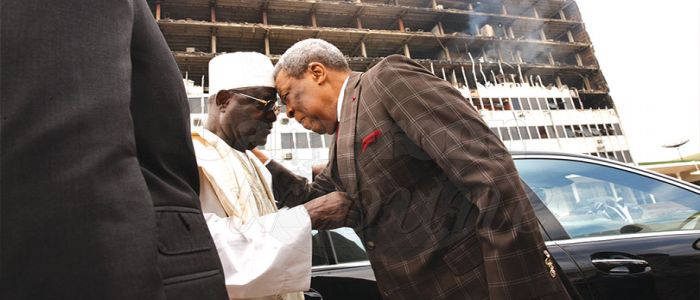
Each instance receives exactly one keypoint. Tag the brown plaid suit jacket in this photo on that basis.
(444, 215)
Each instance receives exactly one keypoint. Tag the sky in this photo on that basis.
(649, 53)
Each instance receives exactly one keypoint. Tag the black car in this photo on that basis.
(616, 231)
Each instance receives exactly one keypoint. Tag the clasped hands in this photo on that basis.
(332, 210)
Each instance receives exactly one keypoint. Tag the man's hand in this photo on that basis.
(332, 211)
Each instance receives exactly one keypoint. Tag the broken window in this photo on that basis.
(569, 131)
(506, 104)
(602, 130)
(497, 104)
(586, 131)
(560, 103)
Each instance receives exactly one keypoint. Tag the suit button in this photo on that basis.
(370, 245)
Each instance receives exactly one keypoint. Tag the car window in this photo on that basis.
(347, 245)
(340, 245)
(590, 199)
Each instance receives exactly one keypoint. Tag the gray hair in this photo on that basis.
(296, 59)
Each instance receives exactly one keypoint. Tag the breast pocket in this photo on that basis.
(374, 151)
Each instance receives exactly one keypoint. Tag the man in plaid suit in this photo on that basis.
(444, 214)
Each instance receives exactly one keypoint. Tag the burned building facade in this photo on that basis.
(527, 65)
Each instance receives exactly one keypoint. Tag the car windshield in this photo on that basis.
(590, 199)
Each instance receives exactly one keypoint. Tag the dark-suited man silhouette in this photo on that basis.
(99, 177)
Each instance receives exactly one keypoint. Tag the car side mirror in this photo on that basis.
(696, 245)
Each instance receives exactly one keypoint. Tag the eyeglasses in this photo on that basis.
(268, 105)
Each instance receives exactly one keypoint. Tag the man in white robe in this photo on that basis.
(265, 253)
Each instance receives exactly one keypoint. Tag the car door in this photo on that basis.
(340, 267)
(633, 234)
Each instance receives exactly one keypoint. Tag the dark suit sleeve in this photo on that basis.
(292, 190)
(436, 117)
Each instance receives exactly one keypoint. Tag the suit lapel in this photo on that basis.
(345, 147)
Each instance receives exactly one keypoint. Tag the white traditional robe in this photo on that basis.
(265, 253)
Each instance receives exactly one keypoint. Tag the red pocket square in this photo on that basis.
(370, 138)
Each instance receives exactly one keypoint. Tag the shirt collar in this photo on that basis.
(341, 96)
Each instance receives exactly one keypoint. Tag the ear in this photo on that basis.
(318, 72)
(222, 99)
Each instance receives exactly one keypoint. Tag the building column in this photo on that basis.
(587, 83)
(447, 53)
(550, 57)
(157, 10)
(510, 32)
(313, 18)
(213, 41)
(570, 36)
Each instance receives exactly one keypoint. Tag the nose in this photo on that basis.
(271, 116)
(290, 112)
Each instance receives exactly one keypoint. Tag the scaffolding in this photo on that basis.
(482, 47)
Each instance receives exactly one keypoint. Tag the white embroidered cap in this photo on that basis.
(238, 70)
